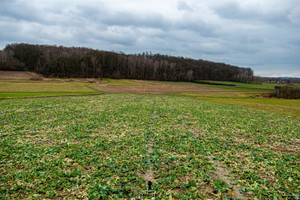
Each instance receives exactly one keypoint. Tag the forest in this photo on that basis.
(78, 62)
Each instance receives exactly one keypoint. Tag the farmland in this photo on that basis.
(110, 145)
(29, 88)
(208, 142)
(289, 107)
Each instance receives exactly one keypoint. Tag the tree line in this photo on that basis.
(75, 62)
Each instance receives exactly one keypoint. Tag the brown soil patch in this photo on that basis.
(223, 174)
(155, 89)
(12, 75)
(276, 146)
(86, 80)
(148, 176)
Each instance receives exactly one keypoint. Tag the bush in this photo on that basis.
(289, 92)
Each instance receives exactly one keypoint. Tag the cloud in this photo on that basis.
(263, 35)
(182, 5)
(255, 12)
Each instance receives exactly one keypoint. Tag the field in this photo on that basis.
(110, 145)
(181, 145)
(148, 87)
(21, 88)
(289, 107)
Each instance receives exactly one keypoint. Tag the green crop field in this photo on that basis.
(115, 146)
(266, 86)
(29, 88)
(289, 107)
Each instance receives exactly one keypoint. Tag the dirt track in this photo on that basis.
(155, 89)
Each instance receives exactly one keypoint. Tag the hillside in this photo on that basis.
(66, 62)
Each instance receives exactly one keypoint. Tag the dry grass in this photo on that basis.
(12, 75)
(86, 80)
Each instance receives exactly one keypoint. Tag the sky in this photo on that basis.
(261, 34)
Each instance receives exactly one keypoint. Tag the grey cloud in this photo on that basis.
(224, 31)
(234, 11)
(90, 12)
(196, 25)
(129, 19)
(18, 11)
(103, 15)
(181, 5)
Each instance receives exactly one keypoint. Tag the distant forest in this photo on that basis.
(74, 62)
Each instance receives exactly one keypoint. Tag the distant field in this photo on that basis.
(242, 96)
(290, 107)
(266, 86)
(12, 89)
(153, 88)
(112, 145)
(119, 82)
(44, 86)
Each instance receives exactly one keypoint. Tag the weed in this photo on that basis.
(98, 147)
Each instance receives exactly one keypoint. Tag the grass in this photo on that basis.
(267, 86)
(4, 95)
(243, 89)
(116, 82)
(173, 83)
(242, 97)
(109, 146)
(248, 95)
(261, 86)
(219, 94)
(191, 145)
(282, 107)
(44, 86)
(254, 88)
(290, 107)
(28, 88)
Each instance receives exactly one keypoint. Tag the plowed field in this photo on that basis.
(154, 88)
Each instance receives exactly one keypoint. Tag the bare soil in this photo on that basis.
(155, 89)
(223, 174)
(86, 80)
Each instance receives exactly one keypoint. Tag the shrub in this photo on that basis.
(289, 92)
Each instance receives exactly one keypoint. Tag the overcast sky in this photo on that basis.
(261, 34)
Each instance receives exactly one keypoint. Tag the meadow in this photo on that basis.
(251, 100)
(27, 88)
(187, 145)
